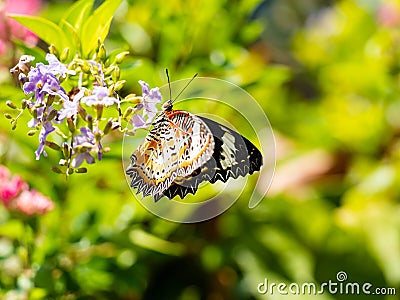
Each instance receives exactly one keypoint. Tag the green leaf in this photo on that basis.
(72, 36)
(77, 13)
(97, 25)
(48, 31)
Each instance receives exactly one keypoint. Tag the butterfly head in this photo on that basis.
(167, 106)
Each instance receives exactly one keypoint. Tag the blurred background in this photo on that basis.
(326, 73)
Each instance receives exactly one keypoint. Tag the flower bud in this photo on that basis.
(71, 125)
(109, 70)
(8, 116)
(99, 43)
(132, 98)
(89, 120)
(99, 111)
(108, 126)
(119, 85)
(31, 132)
(128, 112)
(120, 57)
(97, 135)
(74, 67)
(50, 100)
(116, 74)
(11, 104)
(34, 112)
(53, 50)
(52, 115)
(111, 88)
(81, 170)
(64, 55)
(101, 54)
(53, 145)
(82, 112)
(85, 67)
(24, 103)
(57, 170)
(66, 150)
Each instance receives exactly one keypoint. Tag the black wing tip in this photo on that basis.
(179, 190)
(256, 161)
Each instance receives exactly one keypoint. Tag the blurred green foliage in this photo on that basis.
(327, 75)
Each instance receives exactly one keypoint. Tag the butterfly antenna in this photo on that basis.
(194, 76)
(169, 84)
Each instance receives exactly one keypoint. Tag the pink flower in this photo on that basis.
(33, 203)
(16, 196)
(12, 29)
(10, 189)
(389, 14)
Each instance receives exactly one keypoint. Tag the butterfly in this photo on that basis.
(182, 150)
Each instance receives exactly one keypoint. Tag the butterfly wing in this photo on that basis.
(189, 184)
(178, 144)
(233, 156)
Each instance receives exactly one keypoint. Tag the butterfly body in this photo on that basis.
(182, 150)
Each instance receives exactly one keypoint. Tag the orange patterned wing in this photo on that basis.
(233, 156)
(178, 144)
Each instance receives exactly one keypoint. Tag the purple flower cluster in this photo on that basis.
(42, 80)
(99, 97)
(86, 142)
(70, 108)
(150, 97)
(77, 115)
